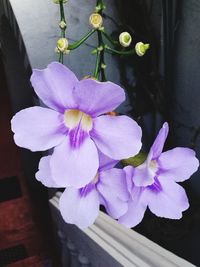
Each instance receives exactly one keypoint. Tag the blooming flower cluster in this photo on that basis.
(87, 143)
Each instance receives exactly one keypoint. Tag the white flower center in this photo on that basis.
(74, 117)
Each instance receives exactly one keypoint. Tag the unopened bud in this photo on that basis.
(100, 48)
(103, 66)
(60, 1)
(56, 50)
(94, 52)
(95, 20)
(97, 8)
(125, 39)
(62, 44)
(62, 24)
(141, 48)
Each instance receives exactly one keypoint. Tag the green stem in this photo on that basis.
(62, 18)
(100, 53)
(101, 44)
(81, 41)
(107, 36)
(117, 52)
(97, 65)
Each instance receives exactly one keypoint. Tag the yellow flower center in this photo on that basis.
(74, 117)
(153, 166)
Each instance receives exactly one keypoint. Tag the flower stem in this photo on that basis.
(62, 18)
(81, 41)
(107, 36)
(97, 65)
(117, 52)
(100, 49)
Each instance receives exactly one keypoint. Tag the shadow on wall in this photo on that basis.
(167, 81)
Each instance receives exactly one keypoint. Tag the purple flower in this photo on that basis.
(72, 125)
(81, 206)
(153, 183)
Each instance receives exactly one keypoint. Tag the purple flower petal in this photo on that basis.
(44, 173)
(144, 174)
(167, 199)
(38, 128)
(117, 137)
(136, 208)
(178, 164)
(96, 98)
(113, 190)
(129, 171)
(54, 86)
(159, 142)
(79, 210)
(106, 163)
(74, 166)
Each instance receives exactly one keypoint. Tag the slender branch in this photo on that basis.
(97, 65)
(107, 36)
(81, 41)
(117, 52)
(62, 18)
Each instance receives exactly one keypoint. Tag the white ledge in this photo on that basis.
(126, 246)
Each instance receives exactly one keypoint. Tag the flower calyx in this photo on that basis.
(141, 48)
(125, 39)
(62, 46)
(136, 160)
(96, 20)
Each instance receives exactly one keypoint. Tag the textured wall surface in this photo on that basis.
(185, 110)
(38, 22)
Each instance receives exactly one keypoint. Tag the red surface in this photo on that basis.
(9, 154)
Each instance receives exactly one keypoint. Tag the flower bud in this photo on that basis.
(62, 44)
(125, 39)
(103, 66)
(95, 20)
(58, 1)
(62, 24)
(100, 48)
(141, 48)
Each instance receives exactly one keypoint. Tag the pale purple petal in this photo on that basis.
(112, 188)
(143, 174)
(166, 199)
(137, 206)
(44, 173)
(74, 166)
(96, 98)
(118, 137)
(54, 86)
(129, 171)
(81, 210)
(106, 163)
(159, 142)
(38, 128)
(178, 164)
